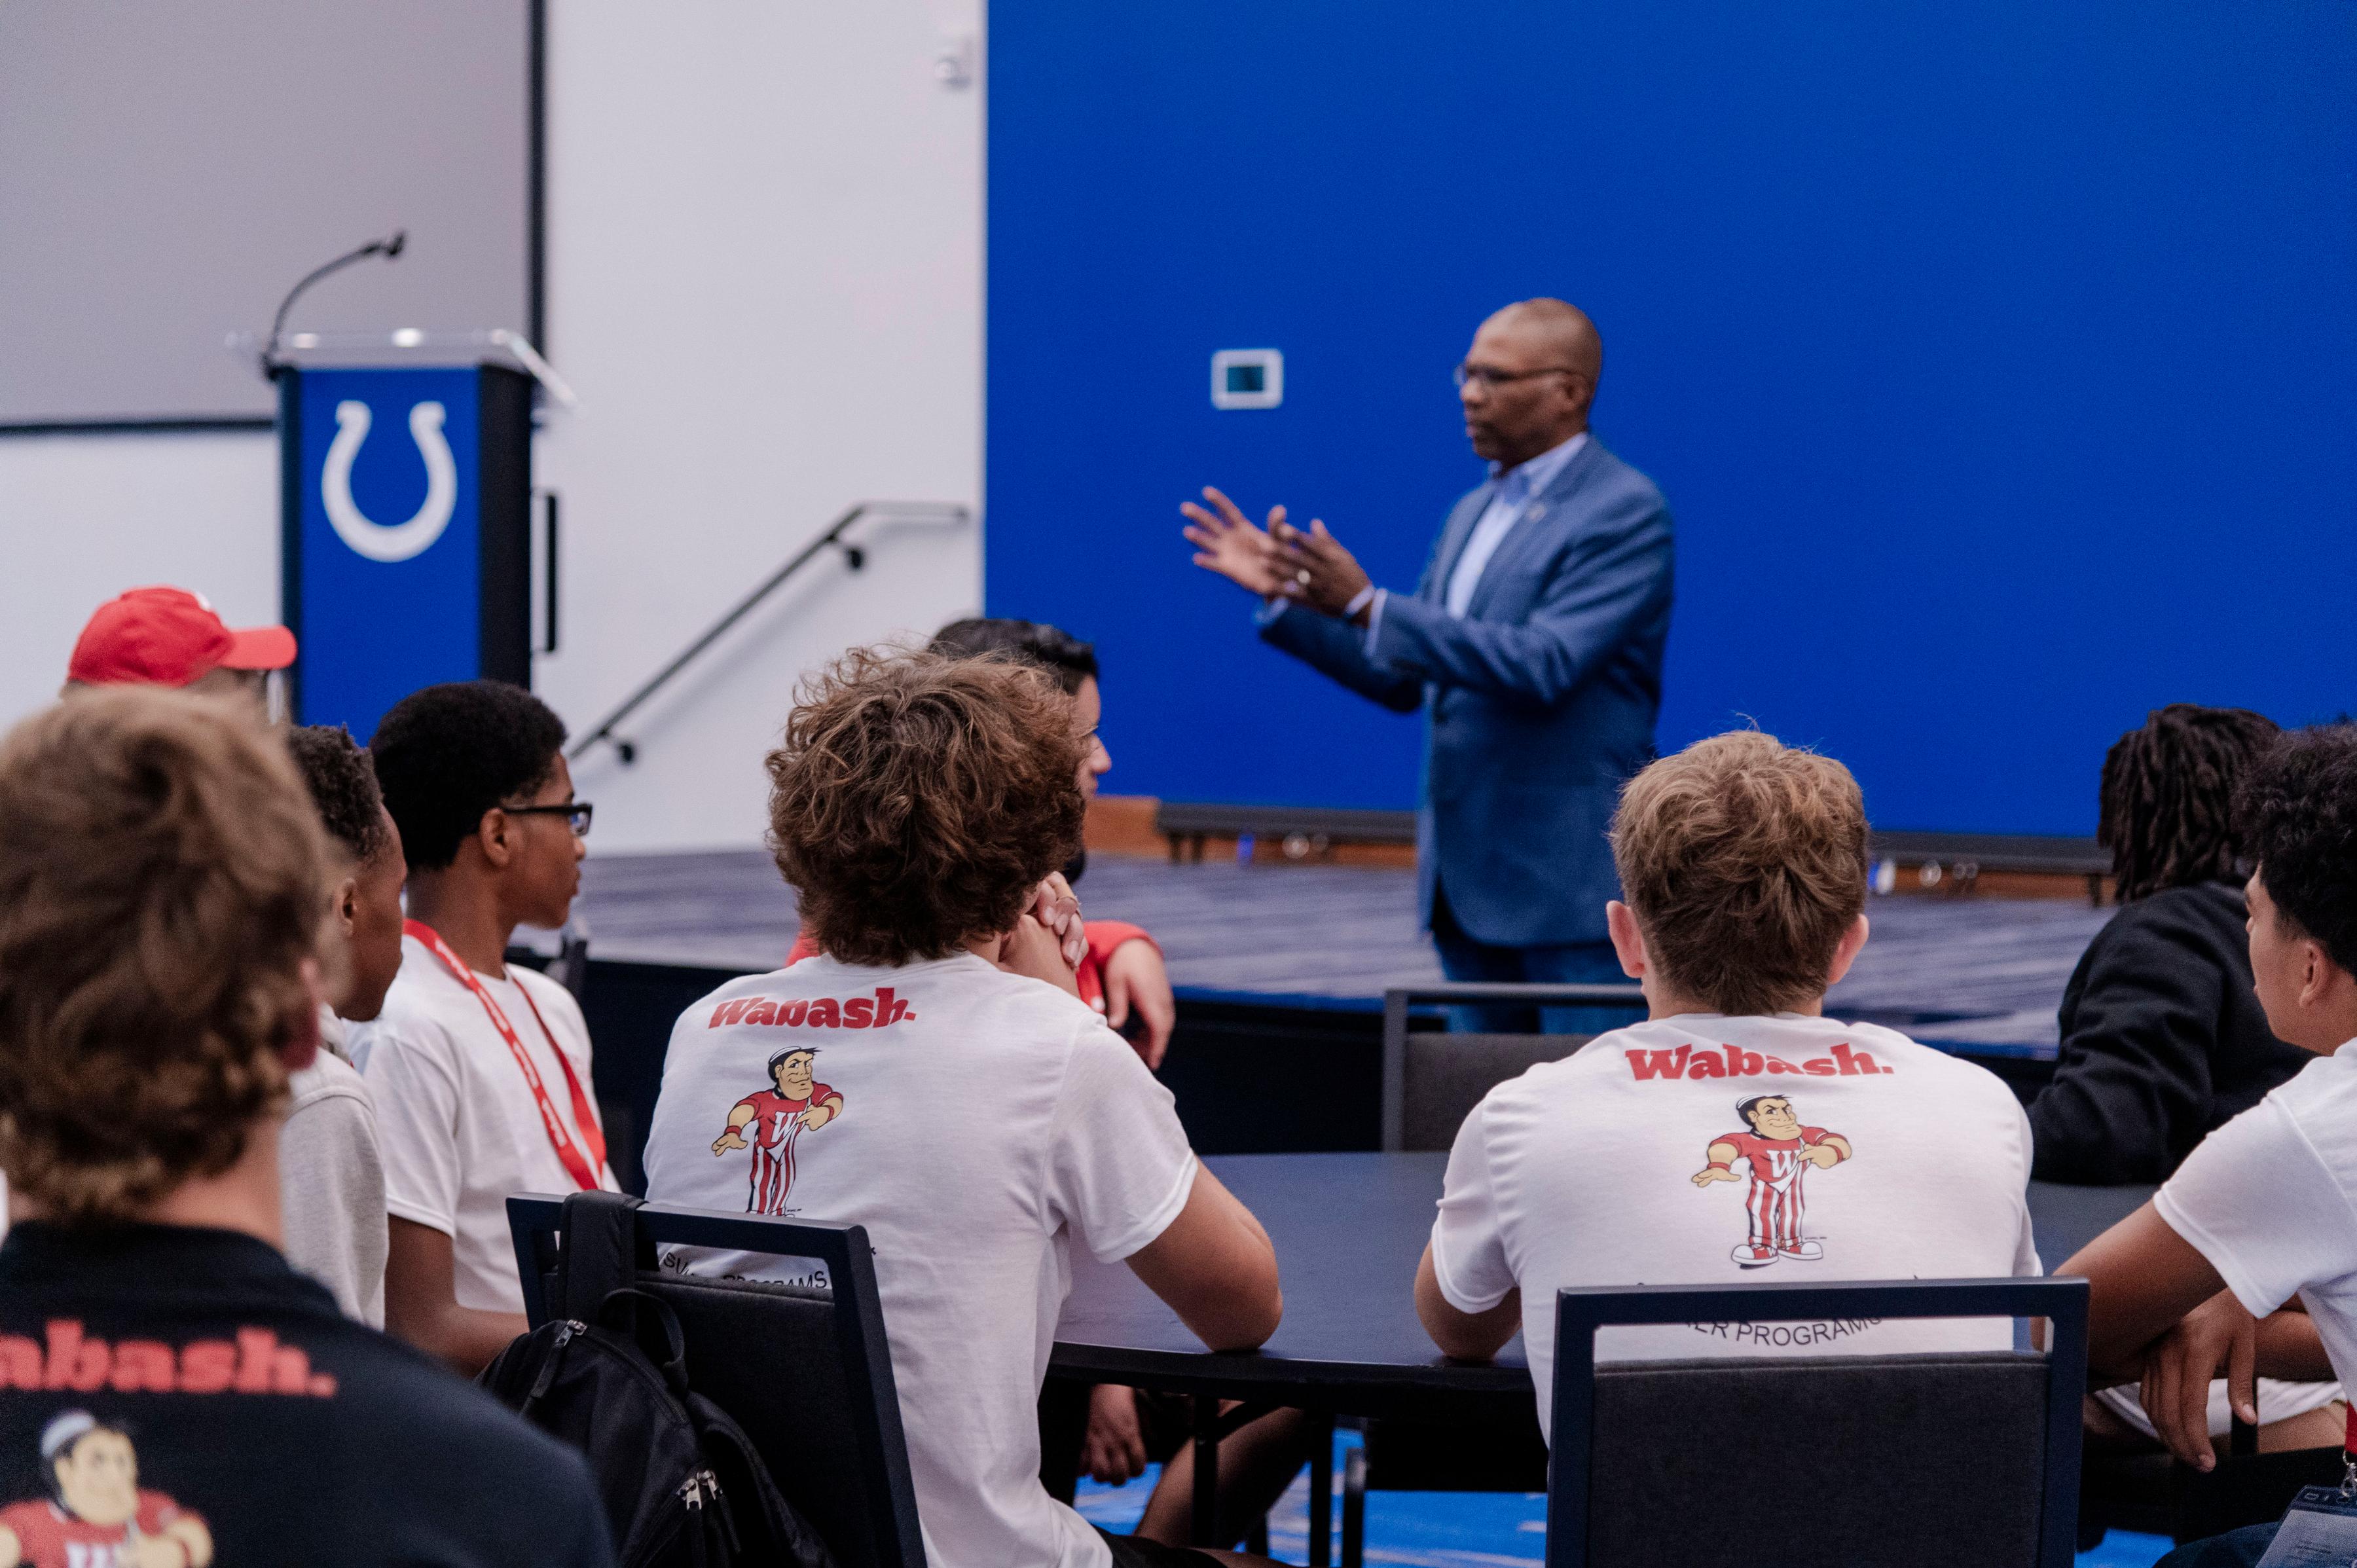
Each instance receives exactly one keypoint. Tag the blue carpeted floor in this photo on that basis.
(1458, 1530)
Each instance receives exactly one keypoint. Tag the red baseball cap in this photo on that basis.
(169, 636)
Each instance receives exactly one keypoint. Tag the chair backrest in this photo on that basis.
(803, 1368)
(1433, 1080)
(1933, 1460)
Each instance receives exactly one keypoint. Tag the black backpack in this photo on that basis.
(682, 1485)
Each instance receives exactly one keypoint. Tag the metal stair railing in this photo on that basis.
(854, 556)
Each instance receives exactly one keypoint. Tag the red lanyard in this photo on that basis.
(583, 1171)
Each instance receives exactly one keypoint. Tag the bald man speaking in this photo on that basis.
(1532, 644)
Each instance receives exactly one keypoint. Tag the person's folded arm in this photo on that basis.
(2142, 1277)
(420, 1302)
(1463, 1336)
(1599, 595)
(1215, 1267)
(1466, 1295)
(2290, 1347)
(2131, 1087)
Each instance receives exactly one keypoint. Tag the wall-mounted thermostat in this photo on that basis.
(1247, 378)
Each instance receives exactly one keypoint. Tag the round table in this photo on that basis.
(1349, 1228)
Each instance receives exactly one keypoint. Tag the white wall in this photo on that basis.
(765, 276)
(765, 282)
(84, 517)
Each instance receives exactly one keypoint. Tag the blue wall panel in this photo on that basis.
(1999, 359)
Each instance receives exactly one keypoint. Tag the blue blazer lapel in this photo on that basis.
(1454, 537)
(1543, 519)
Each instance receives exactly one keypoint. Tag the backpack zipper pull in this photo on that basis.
(565, 1333)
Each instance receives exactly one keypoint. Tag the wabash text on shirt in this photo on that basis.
(879, 1011)
(180, 1396)
(1732, 1061)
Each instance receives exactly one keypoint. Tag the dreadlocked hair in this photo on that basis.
(2167, 813)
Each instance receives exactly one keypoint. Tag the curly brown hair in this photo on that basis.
(916, 800)
(161, 883)
(1744, 861)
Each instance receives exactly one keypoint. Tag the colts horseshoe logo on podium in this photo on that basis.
(398, 540)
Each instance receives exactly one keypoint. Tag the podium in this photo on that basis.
(405, 553)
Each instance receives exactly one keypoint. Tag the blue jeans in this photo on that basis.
(2235, 1549)
(1565, 964)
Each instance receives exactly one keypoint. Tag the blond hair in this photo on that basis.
(160, 877)
(1744, 861)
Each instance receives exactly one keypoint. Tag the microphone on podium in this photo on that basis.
(391, 246)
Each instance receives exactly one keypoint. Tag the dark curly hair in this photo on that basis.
(916, 800)
(447, 754)
(2167, 805)
(162, 879)
(343, 786)
(2297, 812)
(1052, 649)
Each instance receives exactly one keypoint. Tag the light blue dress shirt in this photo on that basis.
(1515, 489)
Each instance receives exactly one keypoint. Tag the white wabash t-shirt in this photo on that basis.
(457, 1123)
(1712, 1150)
(976, 1124)
(2270, 1200)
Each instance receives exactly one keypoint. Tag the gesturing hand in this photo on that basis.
(2216, 1337)
(1314, 568)
(1710, 1174)
(1226, 541)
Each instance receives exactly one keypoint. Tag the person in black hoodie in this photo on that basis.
(2163, 1038)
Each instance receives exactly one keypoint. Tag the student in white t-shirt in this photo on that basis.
(481, 1072)
(331, 1174)
(933, 1076)
(1737, 1133)
(2244, 1263)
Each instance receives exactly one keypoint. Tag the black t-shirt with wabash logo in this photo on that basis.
(168, 1384)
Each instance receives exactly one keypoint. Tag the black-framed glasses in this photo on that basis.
(574, 812)
(1489, 377)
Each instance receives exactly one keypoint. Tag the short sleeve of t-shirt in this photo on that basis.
(1119, 1168)
(415, 1083)
(2256, 1200)
(1468, 1244)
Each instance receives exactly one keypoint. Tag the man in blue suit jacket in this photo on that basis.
(1532, 643)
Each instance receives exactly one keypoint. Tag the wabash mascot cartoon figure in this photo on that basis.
(96, 1515)
(1779, 1150)
(773, 1120)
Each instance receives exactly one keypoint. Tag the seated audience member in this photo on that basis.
(1114, 1432)
(169, 636)
(1120, 969)
(175, 1395)
(2245, 1262)
(331, 1175)
(1737, 1133)
(2163, 1040)
(480, 1071)
(2163, 1037)
(932, 1076)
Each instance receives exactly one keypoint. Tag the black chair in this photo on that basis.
(1939, 1460)
(803, 1368)
(1433, 1080)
